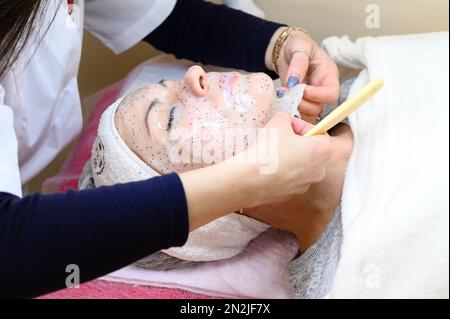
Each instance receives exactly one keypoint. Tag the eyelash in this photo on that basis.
(171, 118)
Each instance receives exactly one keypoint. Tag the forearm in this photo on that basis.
(99, 230)
(214, 34)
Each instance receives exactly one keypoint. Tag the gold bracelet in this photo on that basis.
(279, 44)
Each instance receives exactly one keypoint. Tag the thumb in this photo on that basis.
(300, 126)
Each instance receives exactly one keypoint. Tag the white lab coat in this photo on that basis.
(40, 110)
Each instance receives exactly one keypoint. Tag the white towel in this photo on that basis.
(395, 202)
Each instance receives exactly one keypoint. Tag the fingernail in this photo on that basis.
(293, 81)
(280, 92)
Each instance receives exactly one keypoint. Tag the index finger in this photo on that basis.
(298, 66)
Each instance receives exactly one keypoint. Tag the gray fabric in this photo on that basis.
(162, 261)
(86, 181)
(343, 95)
(311, 274)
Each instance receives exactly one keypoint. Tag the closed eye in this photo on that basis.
(152, 104)
(163, 83)
(171, 118)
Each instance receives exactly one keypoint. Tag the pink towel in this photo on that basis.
(259, 272)
(99, 289)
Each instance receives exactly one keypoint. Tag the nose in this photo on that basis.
(197, 81)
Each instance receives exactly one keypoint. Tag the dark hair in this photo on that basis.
(18, 20)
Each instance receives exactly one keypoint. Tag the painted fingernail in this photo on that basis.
(293, 81)
(280, 92)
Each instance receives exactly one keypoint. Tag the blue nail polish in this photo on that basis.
(293, 81)
(280, 92)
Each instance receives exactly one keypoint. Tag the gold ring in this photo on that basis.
(300, 51)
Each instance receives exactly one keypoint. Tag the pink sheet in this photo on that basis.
(100, 289)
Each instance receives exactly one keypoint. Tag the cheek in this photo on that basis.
(265, 101)
(200, 115)
(263, 92)
(256, 116)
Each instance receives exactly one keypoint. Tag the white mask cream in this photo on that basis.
(288, 101)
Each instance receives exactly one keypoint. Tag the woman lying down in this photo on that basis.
(203, 118)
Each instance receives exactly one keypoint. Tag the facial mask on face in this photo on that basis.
(289, 101)
(212, 129)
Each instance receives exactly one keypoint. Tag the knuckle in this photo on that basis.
(327, 152)
(319, 108)
(322, 149)
(304, 189)
(319, 176)
(322, 174)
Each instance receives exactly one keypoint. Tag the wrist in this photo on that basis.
(271, 46)
(275, 52)
(217, 190)
(243, 178)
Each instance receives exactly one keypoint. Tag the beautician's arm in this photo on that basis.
(214, 34)
(99, 230)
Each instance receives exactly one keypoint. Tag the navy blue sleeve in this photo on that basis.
(99, 230)
(215, 34)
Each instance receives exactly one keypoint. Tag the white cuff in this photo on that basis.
(9, 163)
(10, 181)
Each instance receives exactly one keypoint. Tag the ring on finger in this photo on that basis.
(300, 51)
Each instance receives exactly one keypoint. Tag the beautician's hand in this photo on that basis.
(290, 163)
(285, 165)
(302, 59)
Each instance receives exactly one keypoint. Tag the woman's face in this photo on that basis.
(176, 120)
